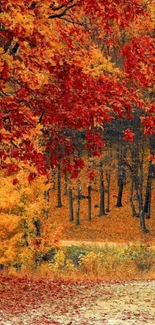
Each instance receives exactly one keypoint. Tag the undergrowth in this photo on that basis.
(122, 263)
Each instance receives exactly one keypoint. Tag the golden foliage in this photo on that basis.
(23, 204)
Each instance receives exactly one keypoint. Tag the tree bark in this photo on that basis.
(77, 221)
(37, 224)
(147, 205)
(120, 193)
(138, 186)
(71, 211)
(66, 192)
(140, 203)
(108, 178)
(121, 176)
(131, 199)
(151, 170)
(102, 191)
(89, 203)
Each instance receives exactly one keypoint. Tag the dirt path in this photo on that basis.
(89, 243)
(94, 304)
(98, 244)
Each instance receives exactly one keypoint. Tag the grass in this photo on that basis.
(108, 263)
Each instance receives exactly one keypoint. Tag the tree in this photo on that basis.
(49, 93)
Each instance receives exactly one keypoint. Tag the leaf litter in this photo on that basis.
(76, 302)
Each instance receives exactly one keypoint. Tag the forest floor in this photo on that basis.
(117, 226)
(81, 302)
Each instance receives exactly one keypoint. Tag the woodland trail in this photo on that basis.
(116, 303)
(99, 244)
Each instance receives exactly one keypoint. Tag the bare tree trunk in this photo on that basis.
(138, 185)
(120, 193)
(121, 176)
(147, 205)
(140, 204)
(37, 225)
(131, 198)
(138, 181)
(102, 191)
(71, 211)
(108, 178)
(151, 169)
(77, 221)
(89, 203)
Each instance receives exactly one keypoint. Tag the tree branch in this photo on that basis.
(15, 48)
(71, 21)
(59, 7)
(15, 145)
(59, 15)
(128, 165)
(40, 118)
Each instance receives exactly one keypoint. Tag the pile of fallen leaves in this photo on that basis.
(21, 295)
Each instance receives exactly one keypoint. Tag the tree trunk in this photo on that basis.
(71, 211)
(59, 187)
(147, 205)
(134, 214)
(121, 179)
(66, 185)
(37, 224)
(120, 193)
(77, 221)
(151, 169)
(108, 178)
(142, 222)
(102, 191)
(89, 203)
(140, 203)
(121, 175)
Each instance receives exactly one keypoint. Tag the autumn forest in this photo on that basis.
(77, 149)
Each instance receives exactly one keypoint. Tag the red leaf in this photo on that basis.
(4, 74)
(15, 181)
(31, 177)
(128, 135)
(74, 174)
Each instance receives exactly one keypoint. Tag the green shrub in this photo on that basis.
(74, 254)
